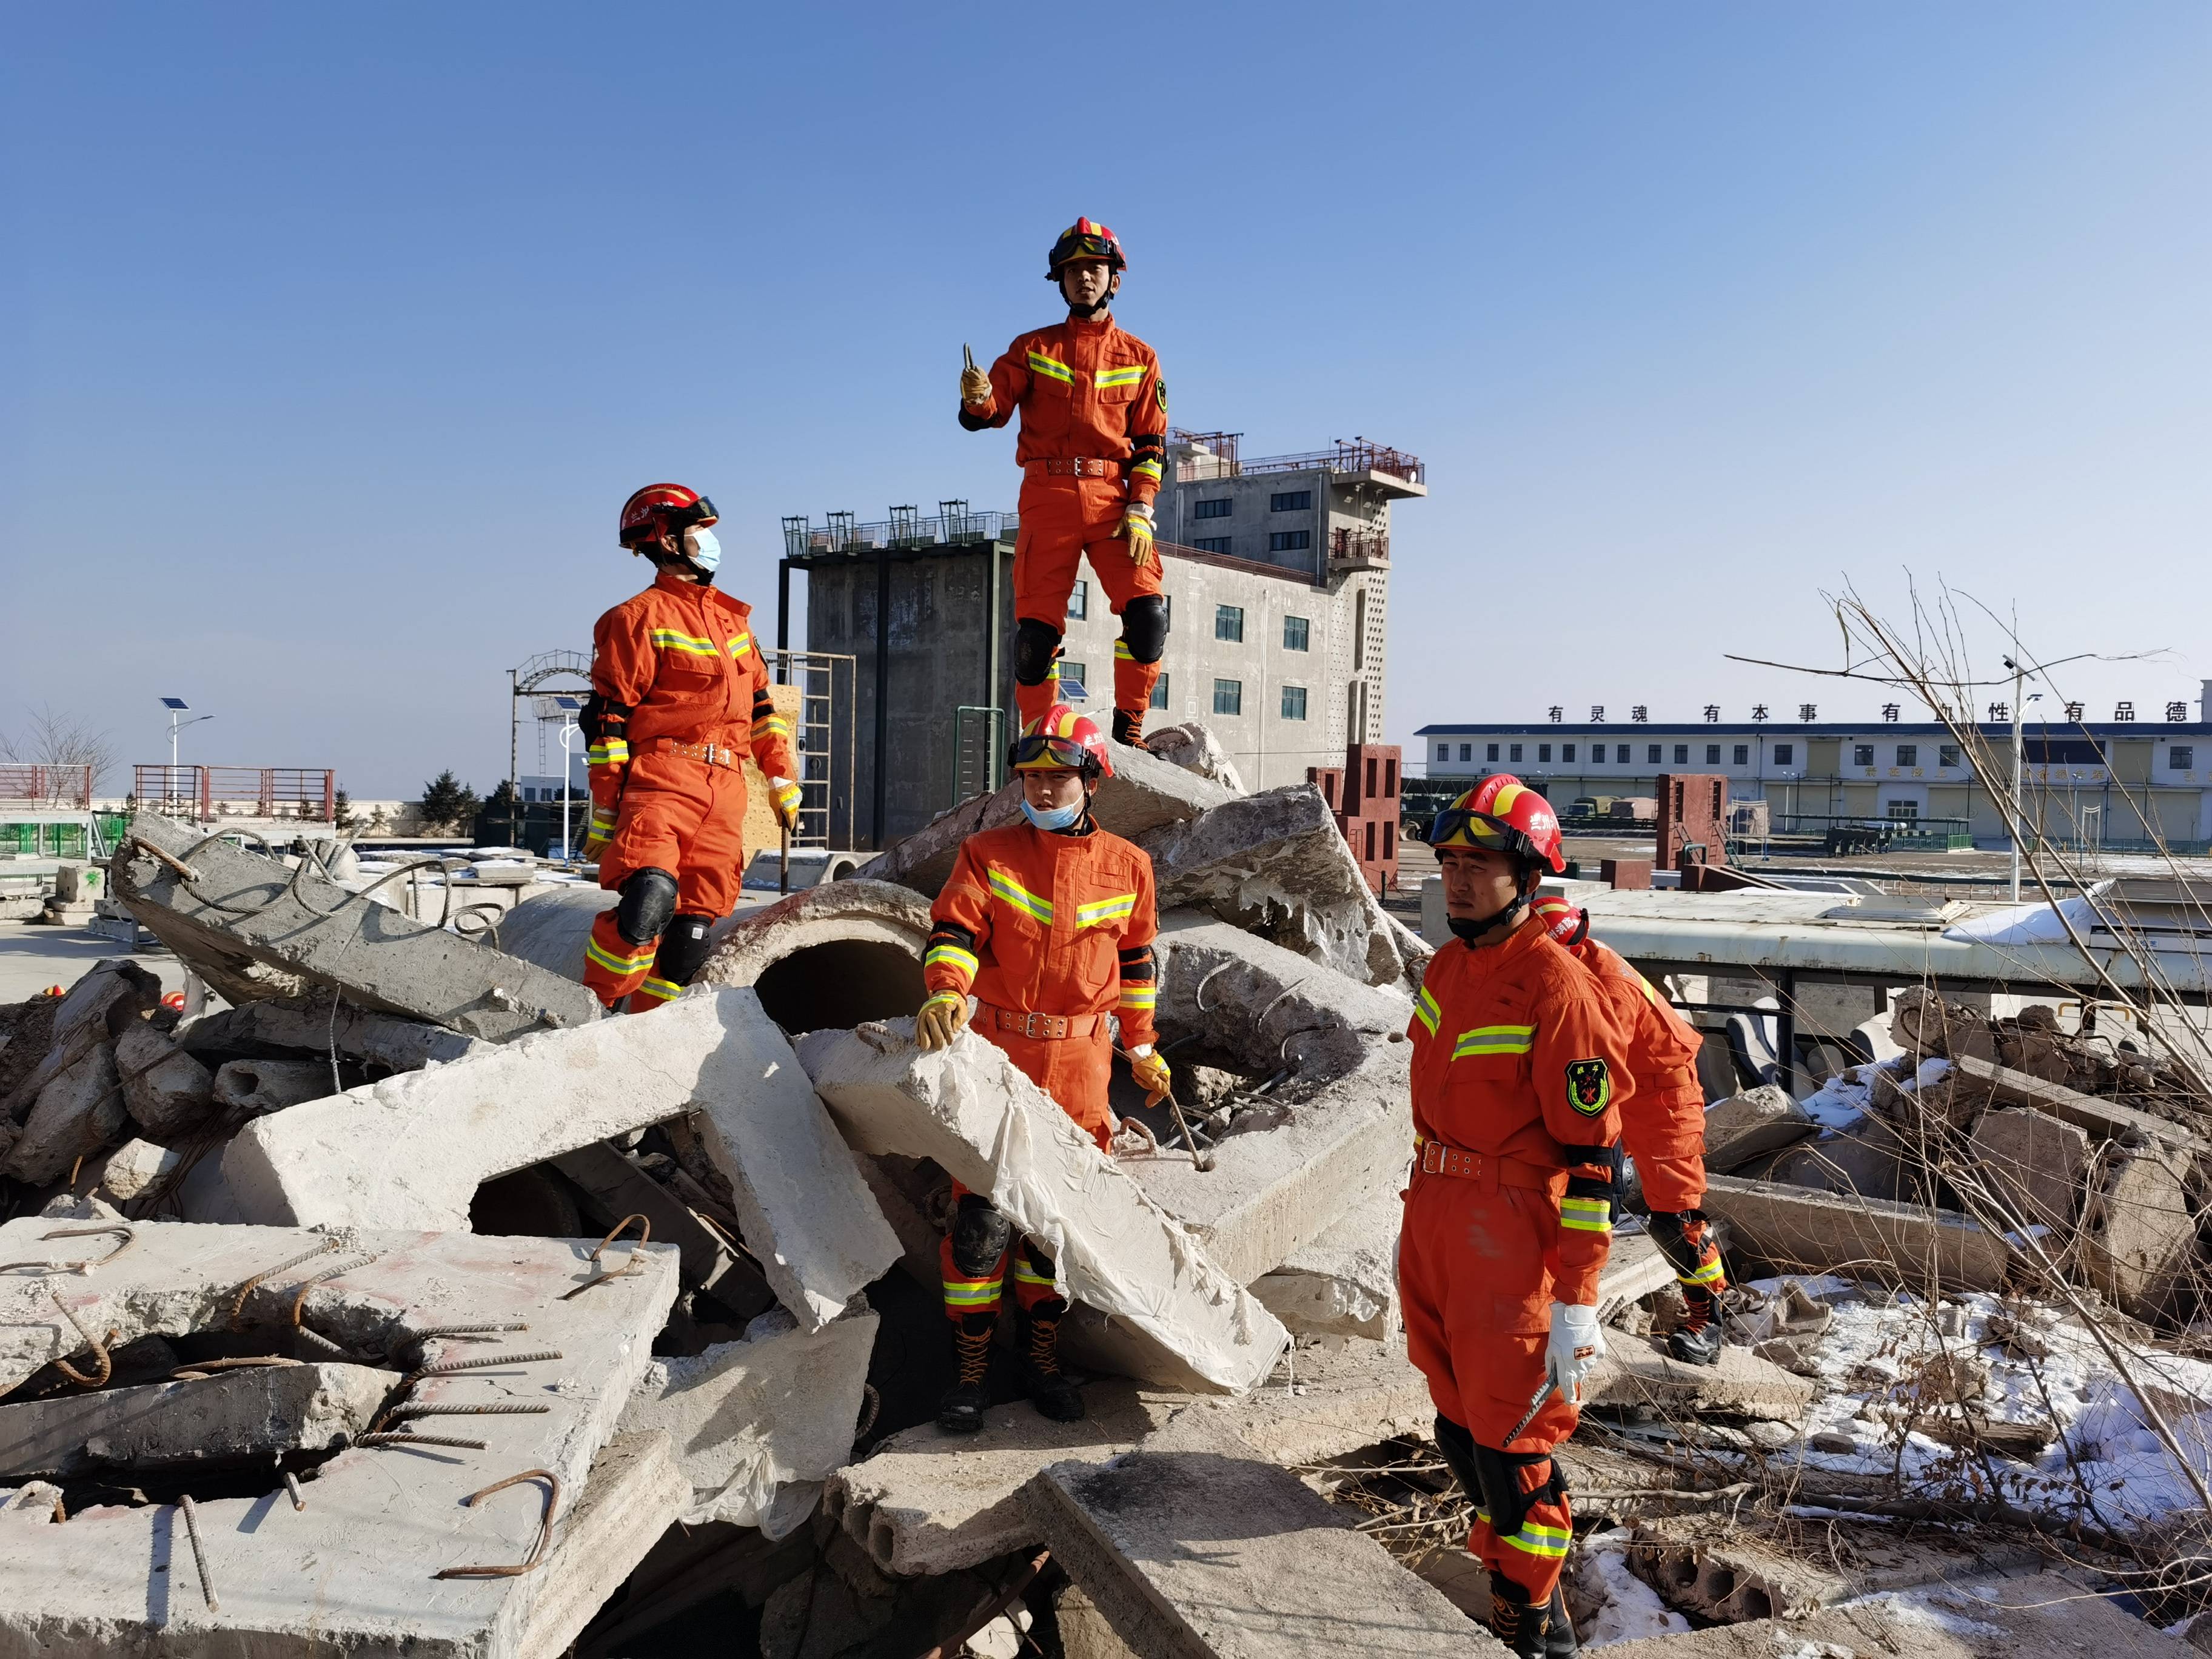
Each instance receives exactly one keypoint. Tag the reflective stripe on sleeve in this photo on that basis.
(1493, 1040)
(1137, 994)
(1426, 1010)
(1586, 1215)
(952, 956)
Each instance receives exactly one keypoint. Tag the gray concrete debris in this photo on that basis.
(379, 1523)
(630, 1498)
(1636, 1372)
(252, 1087)
(1194, 747)
(835, 955)
(275, 1030)
(254, 930)
(223, 1416)
(1211, 1555)
(412, 1149)
(26, 1035)
(1276, 864)
(1118, 1252)
(2137, 1241)
(551, 929)
(2105, 1120)
(79, 1111)
(131, 1168)
(1144, 792)
(1343, 1281)
(751, 1419)
(97, 1009)
(2036, 1166)
(1867, 1160)
(1752, 1124)
(1781, 1230)
(166, 1092)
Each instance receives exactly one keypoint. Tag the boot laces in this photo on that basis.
(972, 1349)
(1698, 1312)
(1044, 1347)
(1505, 1617)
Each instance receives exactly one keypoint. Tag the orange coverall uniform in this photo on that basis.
(1519, 1072)
(1042, 928)
(679, 685)
(1093, 441)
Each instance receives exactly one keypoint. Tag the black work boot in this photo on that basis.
(962, 1410)
(1129, 728)
(1053, 1390)
(1697, 1340)
(1514, 1622)
(1560, 1641)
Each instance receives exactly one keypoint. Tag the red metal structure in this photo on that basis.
(58, 786)
(306, 792)
(1693, 814)
(1362, 795)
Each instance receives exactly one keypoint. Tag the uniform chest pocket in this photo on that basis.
(1117, 383)
(1492, 1056)
(1019, 914)
(683, 675)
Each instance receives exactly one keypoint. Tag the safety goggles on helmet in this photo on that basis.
(1036, 752)
(1458, 826)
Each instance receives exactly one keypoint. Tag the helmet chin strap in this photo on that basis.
(1113, 287)
(1472, 928)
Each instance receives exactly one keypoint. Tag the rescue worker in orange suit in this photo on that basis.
(1663, 1130)
(1092, 447)
(1050, 923)
(1519, 1074)
(679, 694)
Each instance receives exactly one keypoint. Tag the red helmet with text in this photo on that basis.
(663, 509)
(1567, 923)
(1086, 239)
(1059, 740)
(1502, 814)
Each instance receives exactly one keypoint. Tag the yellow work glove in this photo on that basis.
(974, 384)
(600, 831)
(940, 1019)
(784, 796)
(1150, 1074)
(1137, 525)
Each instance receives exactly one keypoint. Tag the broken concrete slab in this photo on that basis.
(221, 1418)
(255, 929)
(97, 1009)
(629, 1500)
(748, 1419)
(2037, 1164)
(1211, 1555)
(551, 929)
(1776, 1229)
(837, 955)
(2103, 1119)
(1277, 865)
(1343, 1281)
(251, 1088)
(1637, 1372)
(615, 1188)
(380, 1522)
(2137, 1241)
(131, 1168)
(412, 1149)
(273, 1030)
(165, 1091)
(1144, 792)
(1118, 1252)
(1868, 1160)
(1752, 1124)
(1194, 747)
(79, 1111)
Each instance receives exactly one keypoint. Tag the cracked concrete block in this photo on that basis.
(412, 1149)
(254, 929)
(1752, 1124)
(222, 1417)
(97, 1009)
(2037, 1165)
(1194, 747)
(276, 1030)
(165, 1091)
(131, 1168)
(1343, 1281)
(1869, 1160)
(2103, 1119)
(256, 1086)
(749, 1418)
(1276, 864)
(1635, 1371)
(551, 929)
(630, 1498)
(380, 1522)
(2137, 1241)
(1118, 1251)
(837, 955)
(1775, 1229)
(1144, 792)
(1213, 1555)
(79, 1111)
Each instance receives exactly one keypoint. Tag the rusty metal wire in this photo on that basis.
(202, 1367)
(238, 1303)
(299, 1302)
(429, 1331)
(632, 1263)
(107, 1367)
(79, 1267)
(485, 1362)
(396, 1437)
(468, 1411)
(292, 1486)
(199, 1551)
(537, 1557)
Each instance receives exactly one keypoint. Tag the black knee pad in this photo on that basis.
(980, 1236)
(1458, 1446)
(1497, 1489)
(1145, 627)
(1035, 643)
(648, 900)
(683, 949)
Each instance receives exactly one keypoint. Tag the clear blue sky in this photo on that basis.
(332, 338)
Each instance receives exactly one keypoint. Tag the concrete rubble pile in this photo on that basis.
(406, 1305)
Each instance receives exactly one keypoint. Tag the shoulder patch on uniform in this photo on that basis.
(1160, 392)
(1589, 1086)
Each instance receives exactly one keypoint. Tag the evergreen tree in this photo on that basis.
(448, 804)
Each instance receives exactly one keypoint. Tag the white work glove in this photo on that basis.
(1576, 1345)
(785, 796)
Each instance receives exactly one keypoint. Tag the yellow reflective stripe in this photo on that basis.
(1147, 470)
(604, 815)
(1494, 1039)
(621, 967)
(661, 987)
(774, 726)
(1426, 1010)
(1022, 1276)
(738, 643)
(1105, 909)
(971, 1295)
(1536, 1538)
(690, 644)
(1708, 1273)
(614, 752)
(936, 997)
(1127, 374)
(1587, 1215)
(1051, 367)
(1006, 887)
(953, 955)
(1140, 996)
(1122, 652)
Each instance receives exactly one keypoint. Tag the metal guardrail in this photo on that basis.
(952, 525)
(59, 786)
(274, 792)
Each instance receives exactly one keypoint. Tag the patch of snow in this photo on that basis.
(1631, 1608)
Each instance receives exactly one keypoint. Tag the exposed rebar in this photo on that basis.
(292, 1486)
(398, 1438)
(537, 1555)
(238, 1303)
(299, 1302)
(199, 1551)
(469, 1410)
(485, 1362)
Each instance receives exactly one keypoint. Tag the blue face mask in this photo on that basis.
(1059, 817)
(706, 551)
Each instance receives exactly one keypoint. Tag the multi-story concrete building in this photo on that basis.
(1276, 574)
(2078, 777)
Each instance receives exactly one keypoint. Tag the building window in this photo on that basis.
(1294, 702)
(1947, 754)
(1291, 501)
(1160, 692)
(1443, 751)
(1621, 754)
(1785, 753)
(1294, 633)
(1543, 751)
(1228, 625)
(1908, 754)
(1681, 754)
(1904, 812)
(1229, 697)
(1862, 754)
(1712, 754)
(1651, 754)
(1467, 751)
(1289, 541)
(1743, 754)
(1566, 751)
(1513, 752)
(529, 791)
(1210, 509)
(1211, 544)
(1079, 599)
(1075, 681)
(2181, 756)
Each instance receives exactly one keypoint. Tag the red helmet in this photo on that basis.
(1502, 815)
(1059, 740)
(1086, 239)
(1564, 922)
(663, 509)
